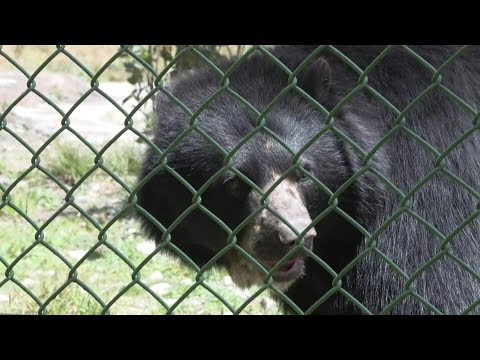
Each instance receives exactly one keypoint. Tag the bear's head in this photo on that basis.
(234, 180)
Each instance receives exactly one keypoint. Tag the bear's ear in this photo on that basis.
(315, 79)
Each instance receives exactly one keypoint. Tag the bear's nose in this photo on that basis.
(287, 236)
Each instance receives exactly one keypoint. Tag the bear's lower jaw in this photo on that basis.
(245, 274)
(289, 271)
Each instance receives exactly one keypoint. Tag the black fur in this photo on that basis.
(408, 243)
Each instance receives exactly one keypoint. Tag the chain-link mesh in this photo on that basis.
(66, 126)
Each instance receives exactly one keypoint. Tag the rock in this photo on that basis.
(28, 282)
(146, 247)
(187, 281)
(76, 254)
(267, 303)
(170, 302)
(160, 288)
(243, 293)
(132, 231)
(4, 181)
(44, 273)
(227, 281)
(156, 275)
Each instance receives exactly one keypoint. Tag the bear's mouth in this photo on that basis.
(290, 270)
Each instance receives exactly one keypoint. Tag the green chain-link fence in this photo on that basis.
(10, 210)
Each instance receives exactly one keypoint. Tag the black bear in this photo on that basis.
(356, 181)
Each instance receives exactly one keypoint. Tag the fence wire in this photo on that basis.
(40, 239)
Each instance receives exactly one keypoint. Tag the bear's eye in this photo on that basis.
(236, 187)
(302, 175)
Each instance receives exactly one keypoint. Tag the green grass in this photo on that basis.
(70, 162)
(105, 273)
(125, 161)
(72, 235)
(67, 161)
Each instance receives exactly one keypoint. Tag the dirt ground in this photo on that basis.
(35, 120)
